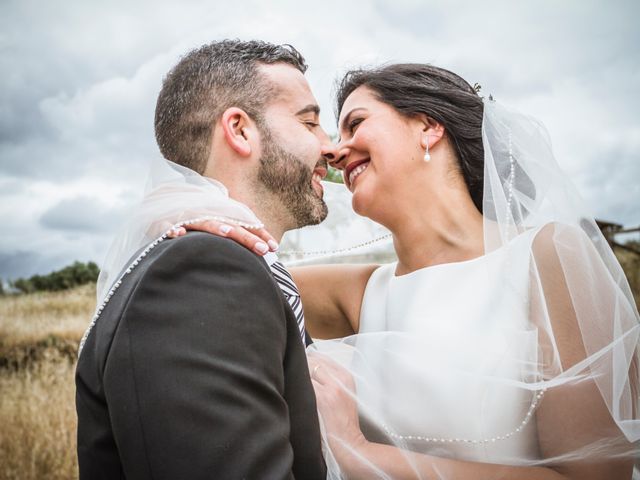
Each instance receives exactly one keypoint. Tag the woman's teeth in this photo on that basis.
(357, 171)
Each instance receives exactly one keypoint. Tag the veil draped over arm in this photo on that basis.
(174, 196)
(547, 375)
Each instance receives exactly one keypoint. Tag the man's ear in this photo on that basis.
(239, 131)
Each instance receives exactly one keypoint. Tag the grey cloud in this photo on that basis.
(611, 186)
(79, 85)
(10, 187)
(19, 264)
(74, 89)
(111, 120)
(20, 118)
(25, 263)
(82, 214)
(522, 48)
(66, 159)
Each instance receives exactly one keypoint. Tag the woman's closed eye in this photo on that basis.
(353, 124)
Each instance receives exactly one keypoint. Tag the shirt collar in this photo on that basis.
(270, 258)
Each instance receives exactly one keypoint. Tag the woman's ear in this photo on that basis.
(238, 130)
(432, 131)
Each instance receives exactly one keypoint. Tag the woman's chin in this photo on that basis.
(361, 204)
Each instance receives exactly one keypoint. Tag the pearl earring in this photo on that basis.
(427, 157)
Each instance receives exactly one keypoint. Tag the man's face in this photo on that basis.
(294, 147)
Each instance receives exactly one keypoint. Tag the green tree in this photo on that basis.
(76, 274)
(23, 285)
(334, 175)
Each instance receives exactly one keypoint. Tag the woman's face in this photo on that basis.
(379, 152)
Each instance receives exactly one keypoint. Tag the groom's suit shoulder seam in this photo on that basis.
(215, 247)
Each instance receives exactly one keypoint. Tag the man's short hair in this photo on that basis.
(206, 82)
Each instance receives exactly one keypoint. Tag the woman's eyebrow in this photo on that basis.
(345, 120)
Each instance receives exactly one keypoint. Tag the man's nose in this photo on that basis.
(329, 152)
(339, 158)
(333, 153)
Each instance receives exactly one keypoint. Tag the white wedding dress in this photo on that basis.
(446, 361)
(466, 343)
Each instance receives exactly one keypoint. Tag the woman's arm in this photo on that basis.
(409, 465)
(574, 416)
(361, 459)
(332, 297)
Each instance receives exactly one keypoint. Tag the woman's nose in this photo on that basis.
(339, 160)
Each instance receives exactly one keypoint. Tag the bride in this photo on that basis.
(503, 343)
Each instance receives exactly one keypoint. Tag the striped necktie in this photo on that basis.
(288, 287)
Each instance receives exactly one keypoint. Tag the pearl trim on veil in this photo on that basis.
(338, 251)
(527, 418)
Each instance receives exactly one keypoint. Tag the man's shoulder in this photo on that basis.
(202, 240)
(206, 248)
(192, 257)
(195, 266)
(186, 276)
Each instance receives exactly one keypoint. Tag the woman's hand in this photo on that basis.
(257, 240)
(335, 395)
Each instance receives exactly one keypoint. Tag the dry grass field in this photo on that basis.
(39, 335)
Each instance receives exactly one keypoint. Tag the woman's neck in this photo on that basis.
(449, 229)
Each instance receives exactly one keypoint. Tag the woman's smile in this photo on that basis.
(354, 170)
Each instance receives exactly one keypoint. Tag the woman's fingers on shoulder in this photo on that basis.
(258, 240)
(267, 238)
(176, 232)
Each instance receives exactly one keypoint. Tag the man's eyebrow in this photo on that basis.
(309, 108)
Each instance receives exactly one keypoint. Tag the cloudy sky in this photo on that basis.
(80, 78)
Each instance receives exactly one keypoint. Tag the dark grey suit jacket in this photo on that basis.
(195, 370)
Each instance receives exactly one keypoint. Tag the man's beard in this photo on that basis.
(283, 174)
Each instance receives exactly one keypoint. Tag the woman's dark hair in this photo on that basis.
(445, 97)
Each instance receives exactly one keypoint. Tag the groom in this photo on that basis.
(196, 366)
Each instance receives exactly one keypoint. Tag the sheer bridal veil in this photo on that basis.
(565, 279)
(558, 277)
